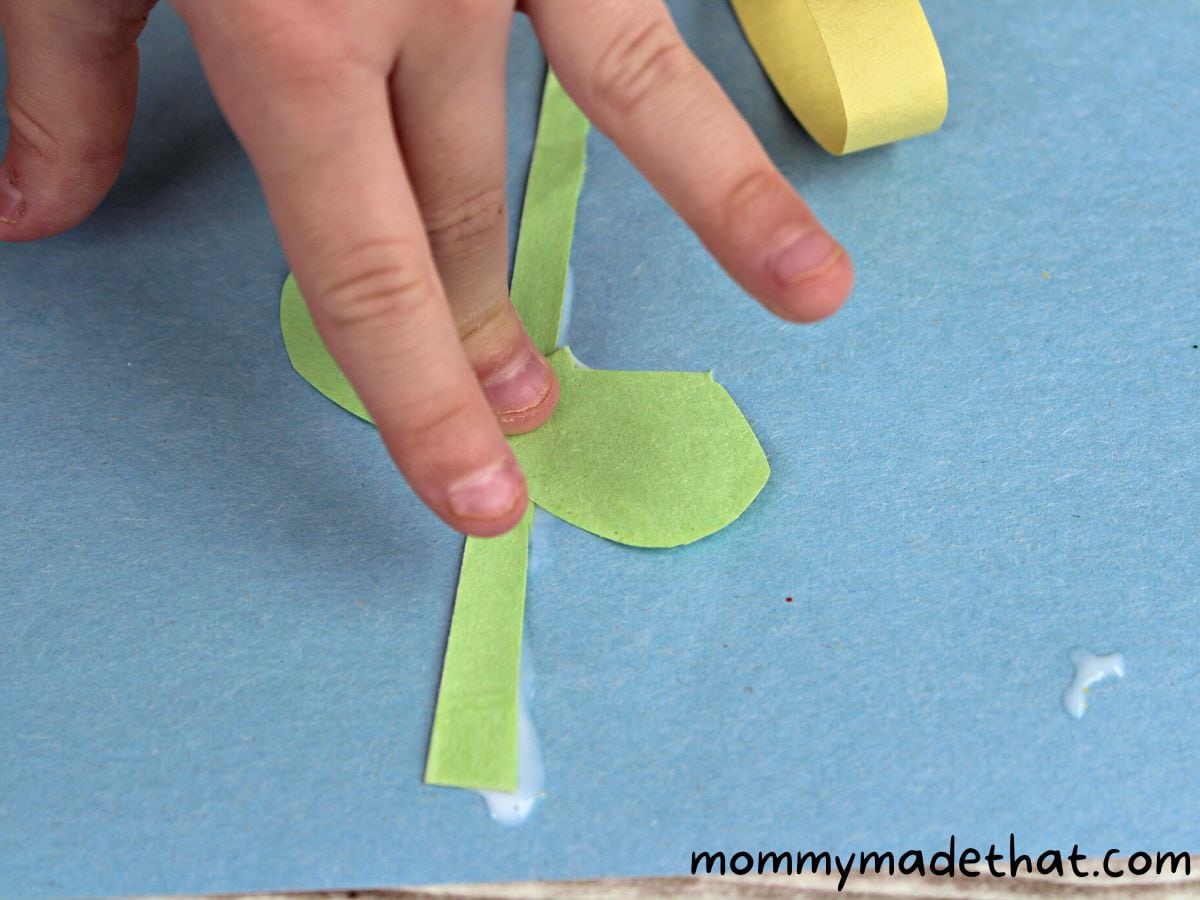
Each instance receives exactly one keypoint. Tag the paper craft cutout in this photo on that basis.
(856, 73)
(475, 725)
(307, 352)
(548, 216)
(650, 459)
(653, 459)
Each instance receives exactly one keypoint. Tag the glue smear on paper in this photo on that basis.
(1090, 670)
(568, 306)
(514, 808)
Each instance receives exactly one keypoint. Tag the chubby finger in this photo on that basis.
(72, 87)
(449, 105)
(322, 141)
(625, 64)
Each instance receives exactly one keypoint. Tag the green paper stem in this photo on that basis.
(652, 459)
(548, 215)
(474, 739)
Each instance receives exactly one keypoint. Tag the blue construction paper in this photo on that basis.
(222, 613)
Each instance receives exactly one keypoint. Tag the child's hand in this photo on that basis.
(377, 129)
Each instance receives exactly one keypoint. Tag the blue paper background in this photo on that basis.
(222, 613)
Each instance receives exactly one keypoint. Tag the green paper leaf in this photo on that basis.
(474, 738)
(307, 352)
(652, 459)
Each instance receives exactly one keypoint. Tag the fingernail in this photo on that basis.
(12, 204)
(519, 386)
(490, 493)
(804, 255)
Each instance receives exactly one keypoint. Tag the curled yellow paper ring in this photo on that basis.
(856, 73)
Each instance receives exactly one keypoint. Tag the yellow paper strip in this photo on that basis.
(856, 73)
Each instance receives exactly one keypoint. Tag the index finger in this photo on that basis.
(327, 156)
(625, 64)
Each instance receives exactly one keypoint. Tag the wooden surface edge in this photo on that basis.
(769, 886)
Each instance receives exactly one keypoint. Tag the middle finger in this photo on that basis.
(448, 102)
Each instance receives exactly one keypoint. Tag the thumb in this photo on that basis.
(72, 85)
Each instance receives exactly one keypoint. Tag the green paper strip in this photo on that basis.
(548, 216)
(474, 739)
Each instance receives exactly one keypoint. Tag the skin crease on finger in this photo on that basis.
(282, 79)
(72, 82)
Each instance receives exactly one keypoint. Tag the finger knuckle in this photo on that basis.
(384, 282)
(292, 64)
(26, 126)
(466, 226)
(293, 50)
(259, 28)
(751, 196)
(638, 64)
(464, 15)
(477, 325)
(424, 424)
(74, 150)
(113, 25)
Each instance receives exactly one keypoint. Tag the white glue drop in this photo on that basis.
(568, 302)
(513, 809)
(1090, 669)
(564, 322)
